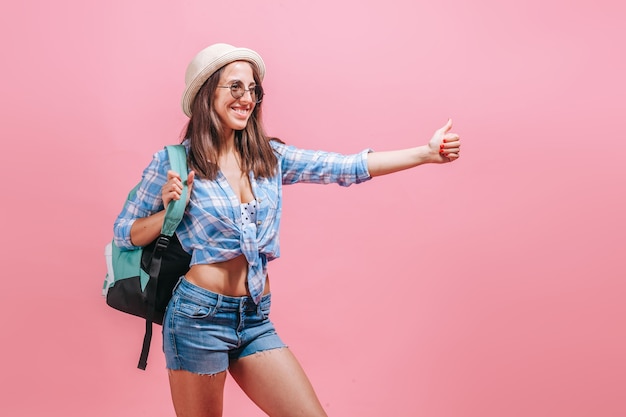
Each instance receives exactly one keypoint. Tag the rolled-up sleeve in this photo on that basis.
(319, 167)
(145, 199)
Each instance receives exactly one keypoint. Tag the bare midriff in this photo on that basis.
(226, 278)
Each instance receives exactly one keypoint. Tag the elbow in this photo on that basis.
(121, 234)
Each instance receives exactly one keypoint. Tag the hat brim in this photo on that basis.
(204, 68)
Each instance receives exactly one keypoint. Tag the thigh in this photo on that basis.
(276, 382)
(197, 395)
(198, 331)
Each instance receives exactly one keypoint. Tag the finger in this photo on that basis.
(450, 147)
(451, 137)
(172, 191)
(169, 197)
(172, 175)
(172, 186)
(456, 152)
(190, 178)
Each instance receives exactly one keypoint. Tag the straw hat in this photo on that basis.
(209, 60)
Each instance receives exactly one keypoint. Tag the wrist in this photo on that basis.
(425, 155)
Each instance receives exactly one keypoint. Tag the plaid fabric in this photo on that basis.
(211, 229)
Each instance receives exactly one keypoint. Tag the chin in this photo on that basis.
(239, 125)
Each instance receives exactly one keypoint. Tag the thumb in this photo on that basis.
(190, 178)
(446, 128)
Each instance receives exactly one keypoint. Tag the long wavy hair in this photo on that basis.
(205, 132)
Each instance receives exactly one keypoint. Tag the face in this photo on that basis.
(234, 113)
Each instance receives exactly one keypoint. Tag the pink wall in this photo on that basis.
(491, 287)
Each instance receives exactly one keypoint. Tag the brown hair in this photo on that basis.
(205, 132)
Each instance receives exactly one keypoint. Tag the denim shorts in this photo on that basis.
(204, 331)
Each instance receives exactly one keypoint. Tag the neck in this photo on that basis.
(228, 145)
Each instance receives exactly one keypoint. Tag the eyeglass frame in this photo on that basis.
(252, 90)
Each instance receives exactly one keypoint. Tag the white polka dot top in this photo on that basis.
(248, 213)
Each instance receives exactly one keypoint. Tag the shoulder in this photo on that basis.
(283, 150)
(161, 157)
(278, 145)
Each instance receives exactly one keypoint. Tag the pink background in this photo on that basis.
(490, 287)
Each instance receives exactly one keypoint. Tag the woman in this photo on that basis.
(217, 319)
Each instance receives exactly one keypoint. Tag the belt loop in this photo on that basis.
(219, 300)
(178, 284)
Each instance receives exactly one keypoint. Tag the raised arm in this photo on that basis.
(443, 147)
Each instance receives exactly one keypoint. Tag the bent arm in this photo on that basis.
(143, 213)
(146, 229)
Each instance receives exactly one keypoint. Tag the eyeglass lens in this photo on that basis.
(237, 90)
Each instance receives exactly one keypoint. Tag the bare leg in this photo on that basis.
(275, 381)
(196, 395)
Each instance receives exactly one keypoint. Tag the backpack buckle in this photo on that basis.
(161, 243)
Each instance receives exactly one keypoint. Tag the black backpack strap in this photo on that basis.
(173, 215)
(151, 292)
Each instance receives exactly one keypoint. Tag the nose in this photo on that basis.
(247, 96)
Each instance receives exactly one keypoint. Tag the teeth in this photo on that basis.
(241, 111)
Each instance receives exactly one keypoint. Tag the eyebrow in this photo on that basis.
(233, 81)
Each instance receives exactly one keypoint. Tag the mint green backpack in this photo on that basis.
(140, 281)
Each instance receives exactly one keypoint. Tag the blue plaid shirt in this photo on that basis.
(211, 229)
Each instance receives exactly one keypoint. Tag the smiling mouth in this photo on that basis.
(242, 112)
